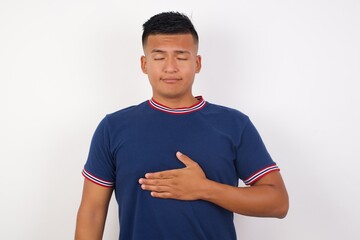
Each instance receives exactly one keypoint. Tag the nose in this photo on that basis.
(170, 66)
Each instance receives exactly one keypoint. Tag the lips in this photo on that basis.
(170, 79)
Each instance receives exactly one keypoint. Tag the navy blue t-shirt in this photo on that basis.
(145, 138)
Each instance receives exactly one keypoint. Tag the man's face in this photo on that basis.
(171, 62)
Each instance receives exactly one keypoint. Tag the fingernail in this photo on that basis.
(179, 154)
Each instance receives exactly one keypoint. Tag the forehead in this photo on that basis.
(170, 42)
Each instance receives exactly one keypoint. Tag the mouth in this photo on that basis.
(170, 79)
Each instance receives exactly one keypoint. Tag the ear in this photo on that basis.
(198, 63)
(143, 64)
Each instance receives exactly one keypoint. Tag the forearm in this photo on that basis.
(90, 224)
(262, 200)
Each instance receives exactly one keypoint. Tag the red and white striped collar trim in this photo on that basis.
(184, 110)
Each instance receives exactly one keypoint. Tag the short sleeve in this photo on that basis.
(99, 167)
(253, 160)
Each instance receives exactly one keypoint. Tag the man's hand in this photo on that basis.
(265, 198)
(181, 184)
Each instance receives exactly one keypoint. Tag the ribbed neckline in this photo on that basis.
(199, 105)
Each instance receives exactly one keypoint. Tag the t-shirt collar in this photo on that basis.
(184, 110)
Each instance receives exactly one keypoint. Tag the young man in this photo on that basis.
(175, 160)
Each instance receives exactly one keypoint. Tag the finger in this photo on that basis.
(163, 174)
(156, 181)
(152, 188)
(185, 159)
(161, 194)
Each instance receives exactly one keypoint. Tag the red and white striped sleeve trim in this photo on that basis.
(253, 178)
(97, 180)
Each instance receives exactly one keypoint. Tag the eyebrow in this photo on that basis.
(176, 51)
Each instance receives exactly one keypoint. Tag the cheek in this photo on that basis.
(190, 70)
(154, 67)
(153, 73)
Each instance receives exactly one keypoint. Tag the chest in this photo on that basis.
(150, 146)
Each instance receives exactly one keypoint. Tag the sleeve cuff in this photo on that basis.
(97, 180)
(259, 174)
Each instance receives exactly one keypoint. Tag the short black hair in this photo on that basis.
(169, 23)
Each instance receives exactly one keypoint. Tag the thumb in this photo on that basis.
(184, 159)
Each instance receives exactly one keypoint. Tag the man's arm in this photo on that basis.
(266, 198)
(92, 212)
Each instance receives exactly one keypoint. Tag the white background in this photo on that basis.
(292, 66)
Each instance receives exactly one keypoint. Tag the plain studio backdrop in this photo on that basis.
(292, 66)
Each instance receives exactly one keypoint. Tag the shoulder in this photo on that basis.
(124, 116)
(127, 112)
(224, 112)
